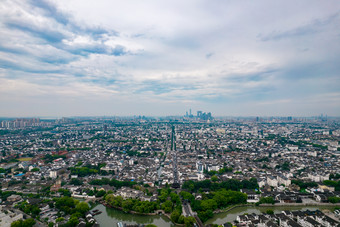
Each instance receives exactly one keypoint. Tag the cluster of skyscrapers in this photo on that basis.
(200, 115)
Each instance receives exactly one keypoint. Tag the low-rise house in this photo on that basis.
(252, 196)
(14, 198)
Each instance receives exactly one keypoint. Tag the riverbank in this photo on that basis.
(111, 216)
(157, 212)
(232, 207)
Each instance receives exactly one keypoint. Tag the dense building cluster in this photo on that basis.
(290, 160)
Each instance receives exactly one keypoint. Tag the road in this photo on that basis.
(176, 183)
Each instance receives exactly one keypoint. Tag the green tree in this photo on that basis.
(189, 221)
(187, 196)
(82, 207)
(175, 216)
(334, 199)
(214, 178)
(100, 193)
(20, 223)
(167, 206)
(60, 219)
(209, 204)
(270, 212)
(267, 200)
(76, 181)
(73, 221)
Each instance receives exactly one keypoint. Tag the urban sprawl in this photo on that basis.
(53, 171)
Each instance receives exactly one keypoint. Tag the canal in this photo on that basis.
(110, 217)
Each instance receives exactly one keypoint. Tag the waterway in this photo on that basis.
(110, 217)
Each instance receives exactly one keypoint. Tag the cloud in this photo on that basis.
(315, 26)
(224, 57)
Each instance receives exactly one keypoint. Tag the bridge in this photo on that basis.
(187, 211)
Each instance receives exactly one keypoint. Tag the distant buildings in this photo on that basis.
(200, 115)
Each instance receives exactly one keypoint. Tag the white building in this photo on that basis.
(283, 180)
(272, 181)
(53, 174)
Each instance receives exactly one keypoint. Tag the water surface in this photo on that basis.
(110, 217)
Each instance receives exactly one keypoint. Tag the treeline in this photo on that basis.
(220, 171)
(214, 200)
(112, 182)
(131, 204)
(32, 210)
(24, 223)
(83, 171)
(333, 183)
(303, 185)
(71, 207)
(231, 184)
(86, 170)
(333, 176)
(168, 201)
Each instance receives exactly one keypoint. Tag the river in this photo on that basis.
(110, 217)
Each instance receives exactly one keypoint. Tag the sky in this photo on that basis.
(161, 58)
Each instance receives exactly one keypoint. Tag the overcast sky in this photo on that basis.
(151, 57)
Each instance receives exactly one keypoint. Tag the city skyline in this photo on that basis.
(112, 58)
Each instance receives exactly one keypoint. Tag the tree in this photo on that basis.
(209, 204)
(35, 170)
(76, 181)
(175, 216)
(189, 221)
(127, 205)
(100, 193)
(270, 212)
(20, 223)
(73, 221)
(174, 197)
(59, 219)
(267, 200)
(214, 178)
(187, 196)
(82, 207)
(334, 199)
(65, 192)
(167, 206)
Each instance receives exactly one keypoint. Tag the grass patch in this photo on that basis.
(25, 159)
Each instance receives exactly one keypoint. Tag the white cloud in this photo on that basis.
(156, 52)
